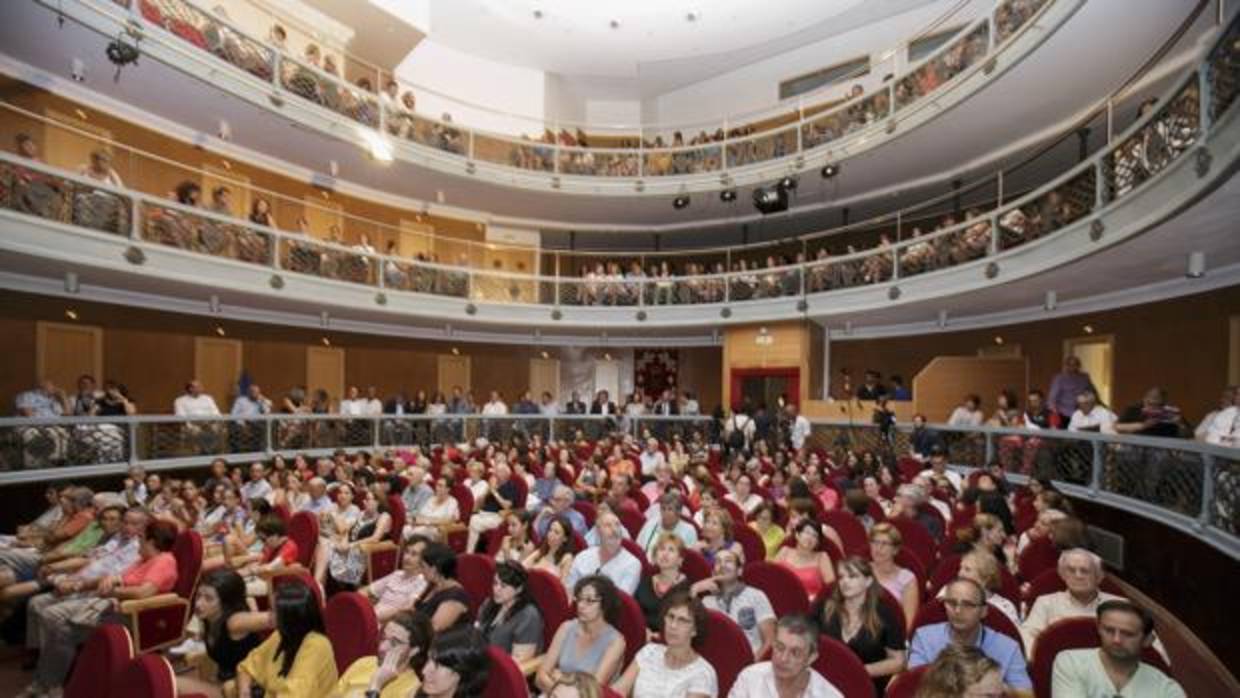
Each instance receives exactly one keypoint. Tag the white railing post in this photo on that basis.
(135, 226)
(1095, 477)
(1207, 488)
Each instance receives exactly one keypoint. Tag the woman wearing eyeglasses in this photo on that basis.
(590, 643)
(674, 669)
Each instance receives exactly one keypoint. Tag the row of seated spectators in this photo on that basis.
(581, 568)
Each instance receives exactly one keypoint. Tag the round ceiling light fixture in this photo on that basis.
(538, 14)
(829, 170)
(614, 24)
(680, 202)
(727, 196)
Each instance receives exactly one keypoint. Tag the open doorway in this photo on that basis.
(1097, 356)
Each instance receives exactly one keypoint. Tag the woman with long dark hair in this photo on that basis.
(230, 630)
(457, 667)
(555, 553)
(445, 601)
(295, 661)
(509, 619)
(855, 615)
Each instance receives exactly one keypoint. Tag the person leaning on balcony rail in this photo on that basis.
(44, 443)
(1090, 415)
(100, 169)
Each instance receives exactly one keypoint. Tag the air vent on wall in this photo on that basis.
(1109, 545)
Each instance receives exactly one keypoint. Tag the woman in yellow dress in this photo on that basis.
(296, 660)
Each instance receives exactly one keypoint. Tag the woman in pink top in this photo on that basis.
(885, 542)
(812, 566)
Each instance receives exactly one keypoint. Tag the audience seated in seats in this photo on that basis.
(668, 555)
(1091, 416)
(590, 643)
(982, 567)
(962, 672)
(1082, 573)
(346, 560)
(812, 566)
(727, 593)
(230, 631)
(399, 590)
(417, 492)
(78, 531)
(717, 534)
(445, 601)
(501, 495)
(81, 558)
(885, 542)
(457, 666)
(908, 504)
(668, 521)
(938, 470)
(608, 505)
(1115, 667)
(608, 558)
(790, 670)
(513, 534)
(673, 669)
(277, 551)
(560, 505)
(395, 673)
(744, 496)
(555, 553)
(854, 615)
(441, 509)
(965, 601)
(510, 620)
(65, 624)
(771, 533)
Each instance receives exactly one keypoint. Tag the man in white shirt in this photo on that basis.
(374, 406)
(690, 407)
(257, 487)
(1115, 667)
(800, 428)
(790, 671)
(353, 405)
(1207, 424)
(495, 406)
(608, 558)
(252, 404)
(548, 407)
(1081, 571)
(969, 414)
(195, 403)
(749, 606)
(938, 469)
(651, 458)
(1090, 416)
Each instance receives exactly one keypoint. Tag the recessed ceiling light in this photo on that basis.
(691, 17)
(81, 114)
(615, 24)
(998, 340)
(1089, 329)
(456, 352)
(219, 329)
(326, 342)
(727, 195)
(680, 202)
(538, 14)
(71, 314)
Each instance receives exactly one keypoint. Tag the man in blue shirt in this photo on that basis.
(560, 504)
(965, 601)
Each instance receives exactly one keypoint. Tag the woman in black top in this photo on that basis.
(509, 619)
(445, 602)
(854, 615)
(229, 630)
(669, 555)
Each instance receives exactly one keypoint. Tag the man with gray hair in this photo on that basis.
(909, 501)
(560, 504)
(608, 558)
(1081, 572)
(417, 493)
(668, 521)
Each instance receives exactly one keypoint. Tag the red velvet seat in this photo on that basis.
(297, 576)
(632, 625)
(751, 543)
(780, 584)
(303, 529)
(147, 676)
(588, 510)
(457, 539)
(726, 648)
(504, 678)
(352, 628)
(476, 573)
(1071, 634)
(106, 653)
(1037, 557)
(851, 530)
(905, 684)
(396, 508)
(551, 598)
(159, 621)
(737, 514)
(695, 566)
(843, 669)
(282, 511)
(636, 550)
(917, 540)
(631, 520)
(933, 611)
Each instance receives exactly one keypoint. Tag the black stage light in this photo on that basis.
(829, 170)
(727, 195)
(787, 183)
(770, 199)
(680, 202)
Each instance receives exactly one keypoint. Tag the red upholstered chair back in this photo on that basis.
(933, 611)
(523, 491)
(909, 467)
(494, 540)
(851, 531)
(905, 684)
(631, 520)
(726, 648)
(396, 508)
(632, 625)
(282, 511)
(504, 678)
(303, 528)
(780, 584)
(916, 540)
(734, 509)
(588, 510)
(105, 654)
(751, 543)
(1037, 557)
(1072, 634)
(188, 552)
(299, 577)
(638, 553)
(838, 665)
(695, 566)
(147, 676)
(352, 628)
(551, 598)
(476, 573)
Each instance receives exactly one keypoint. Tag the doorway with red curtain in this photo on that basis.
(765, 385)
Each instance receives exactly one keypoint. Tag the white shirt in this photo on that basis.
(749, 608)
(800, 431)
(373, 406)
(189, 406)
(623, 569)
(758, 681)
(656, 680)
(353, 408)
(650, 461)
(951, 475)
(962, 417)
(1099, 417)
(495, 407)
(549, 409)
(1224, 427)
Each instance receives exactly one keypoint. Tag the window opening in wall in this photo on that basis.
(841, 72)
(926, 45)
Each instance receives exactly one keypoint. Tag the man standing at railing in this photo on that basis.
(1066, 386)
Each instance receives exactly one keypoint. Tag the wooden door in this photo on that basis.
(325, 369)
(239, 186)
(453, 370)
(545, 377)
(217, 365)
(66, 351)
(415, 239)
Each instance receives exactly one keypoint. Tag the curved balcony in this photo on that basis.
(1168, 159)
(181, 34)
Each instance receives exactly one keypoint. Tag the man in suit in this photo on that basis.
(575, 405)
(602, 404)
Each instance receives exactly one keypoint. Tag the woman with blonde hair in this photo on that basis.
(885, 542)
(855, 615)
(983, 567)
(575, 684)
(962, 672)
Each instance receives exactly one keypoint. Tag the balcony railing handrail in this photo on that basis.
(739, 118)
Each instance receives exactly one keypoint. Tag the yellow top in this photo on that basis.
(357, 677)
(313, 674)
(773, 539)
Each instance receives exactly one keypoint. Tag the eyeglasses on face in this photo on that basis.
(962, 603)
(584, 599)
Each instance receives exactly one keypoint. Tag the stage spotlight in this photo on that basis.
(680, 202)
(727, 195)
(770, 199)
(829, 170)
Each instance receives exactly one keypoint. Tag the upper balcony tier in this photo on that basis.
(1173, 156)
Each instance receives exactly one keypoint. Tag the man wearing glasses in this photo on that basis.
(965, 601)
(790, 672)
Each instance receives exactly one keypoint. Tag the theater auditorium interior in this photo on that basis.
(677, 349)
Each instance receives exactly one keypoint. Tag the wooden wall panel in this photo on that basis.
(66, 351)
(325, 370)
(217, 365)
(544, 377)
(238, 185)
(700, 369)
(453, 371)
(789, 347)
(391, 369)
(941, 386)
(276, 366)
